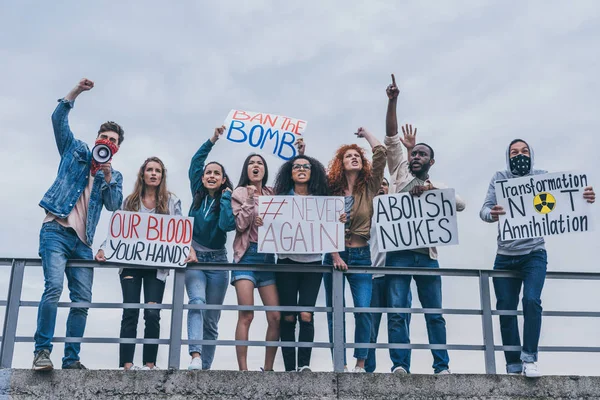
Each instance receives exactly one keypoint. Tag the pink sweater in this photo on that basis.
(245, 212)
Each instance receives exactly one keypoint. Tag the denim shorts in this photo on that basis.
(258, 278)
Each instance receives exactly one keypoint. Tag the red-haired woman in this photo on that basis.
(150, 195)
(351, 175)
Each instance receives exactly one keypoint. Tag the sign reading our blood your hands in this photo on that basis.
(149, 239)
(300, 224)
(273, 134)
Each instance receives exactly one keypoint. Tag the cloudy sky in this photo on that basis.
(473, 75)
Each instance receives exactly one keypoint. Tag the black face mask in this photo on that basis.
(520, 165)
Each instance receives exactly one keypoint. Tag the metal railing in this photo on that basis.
(13, 303)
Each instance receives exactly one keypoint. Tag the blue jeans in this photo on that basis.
(361, 286)
(205, 287)
(57, 245)
(429, 289)
(379, 300)
(532, 267)
(259, 278)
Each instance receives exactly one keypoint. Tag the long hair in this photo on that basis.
(245, 178)
(337, 177)
(202, 192)
(134, 200)
(317, 184)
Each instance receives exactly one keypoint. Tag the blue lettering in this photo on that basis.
(262, 132)
(287, 141)
(270, 133)
(239, 127)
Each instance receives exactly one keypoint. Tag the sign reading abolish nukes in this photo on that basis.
(275, 134)
(543, 205)
(149, 239)
(405, 222)
(300, 224)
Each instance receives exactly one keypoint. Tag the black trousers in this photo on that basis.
(131, 285)
(297, 289)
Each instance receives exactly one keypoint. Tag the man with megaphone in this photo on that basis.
(85, 183)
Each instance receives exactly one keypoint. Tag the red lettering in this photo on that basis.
(136, 219)
(171, 230)
(152, 227)
(112, 224)
(240, 115)
(259, 117)
(269, 121)
(300, 127)
(188, 232)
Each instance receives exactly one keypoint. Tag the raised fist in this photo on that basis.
(85, 84)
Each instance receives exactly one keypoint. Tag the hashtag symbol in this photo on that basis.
(275, 203)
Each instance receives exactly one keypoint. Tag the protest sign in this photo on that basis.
(300, 224)
(275, 134)
(405, 222)
(149, 239)
(543, 205)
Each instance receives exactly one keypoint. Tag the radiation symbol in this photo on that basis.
(544, 203)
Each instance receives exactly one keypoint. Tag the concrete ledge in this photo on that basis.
(113, 384)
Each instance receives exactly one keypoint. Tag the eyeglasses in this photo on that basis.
(297, 167)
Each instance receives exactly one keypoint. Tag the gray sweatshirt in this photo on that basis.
(510, 247)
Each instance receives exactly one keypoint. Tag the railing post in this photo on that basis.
(487, 323)
(176, 319)
(337, 295)
(11, 317)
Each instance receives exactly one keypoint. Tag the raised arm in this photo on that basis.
(379, 158)
(60, 117)
(391, 120)
(199, 159)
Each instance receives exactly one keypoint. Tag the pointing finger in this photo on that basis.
(393, 80)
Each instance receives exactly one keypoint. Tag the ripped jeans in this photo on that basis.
(131, 285)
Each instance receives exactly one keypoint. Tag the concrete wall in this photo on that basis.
(112, 384)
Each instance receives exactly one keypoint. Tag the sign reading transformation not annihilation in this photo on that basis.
(149, 239)
(543, 205)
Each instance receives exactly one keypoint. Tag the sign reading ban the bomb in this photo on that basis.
(300, 224)
(543, 205)
(149, 239)
(274, 134)
(405, 222)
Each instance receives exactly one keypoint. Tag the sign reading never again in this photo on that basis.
(300, 224)
(543, 205)
(405, 222)
(149, 239)
(275, 134)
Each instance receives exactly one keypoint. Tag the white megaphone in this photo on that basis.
(101, 153)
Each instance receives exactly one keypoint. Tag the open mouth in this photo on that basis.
(255, 171)
(211, 182)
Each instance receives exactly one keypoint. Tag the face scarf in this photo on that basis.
(113, 148)
(520, 165)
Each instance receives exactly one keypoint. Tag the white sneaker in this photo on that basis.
(346, 369)
(306, 368)
(359, 369)
(196, 364)
(444, 372)
(133, 368)
(530, 370)
(146, 368)
(399, 370)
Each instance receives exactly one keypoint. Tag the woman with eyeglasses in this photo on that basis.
(300, 176)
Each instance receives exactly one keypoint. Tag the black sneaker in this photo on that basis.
(42, 362)
(75, 365)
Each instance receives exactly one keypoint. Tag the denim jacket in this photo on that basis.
(73, 176)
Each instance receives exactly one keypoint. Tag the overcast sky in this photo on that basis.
(473, 75)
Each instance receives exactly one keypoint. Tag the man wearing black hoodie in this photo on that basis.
(527, 256)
